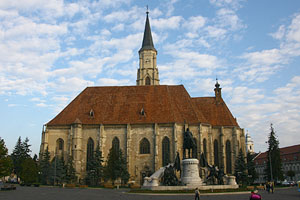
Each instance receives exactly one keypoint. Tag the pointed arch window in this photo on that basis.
(205, 148)
(144, 146)
(148, 81)
(116, 144)
(60, 144)
(195, 149)
(89, 152)
(228, 157)
(216, 153)
(165, 151)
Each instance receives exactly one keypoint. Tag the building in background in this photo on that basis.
(290, 159)
(249, 144)
(146, 122)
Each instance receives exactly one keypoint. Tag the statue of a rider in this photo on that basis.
(188, 143)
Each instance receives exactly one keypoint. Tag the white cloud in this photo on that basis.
(294, 30)
(280, 33)
(246, 95)
(194, 23)
(122, 16)
(167, 23)
(215, 32)
(227, 3)
(113, 82)
(228, 17)
(41, 105)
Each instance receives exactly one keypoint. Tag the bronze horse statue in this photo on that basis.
(188, 143)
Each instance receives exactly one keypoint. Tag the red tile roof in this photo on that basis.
(161, 104)
(286, 154)
(216, 113)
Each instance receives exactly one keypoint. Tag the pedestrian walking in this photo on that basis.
(268, 187)
(197, 194)
(255, 195)
(272, 187)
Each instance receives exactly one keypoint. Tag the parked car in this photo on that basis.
(288, 183)
(292, 183)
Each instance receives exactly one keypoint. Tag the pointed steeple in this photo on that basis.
(217, 89)
(147, 40)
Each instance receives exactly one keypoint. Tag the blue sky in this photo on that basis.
(51, 50)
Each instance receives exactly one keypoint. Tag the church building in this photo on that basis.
(146, 122)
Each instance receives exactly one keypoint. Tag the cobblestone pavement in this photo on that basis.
(50, 193)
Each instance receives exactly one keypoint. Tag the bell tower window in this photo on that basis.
(147, 81)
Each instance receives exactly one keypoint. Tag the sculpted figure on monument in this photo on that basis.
(188, 143)
(169, 178)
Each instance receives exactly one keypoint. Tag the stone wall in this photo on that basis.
(76, 137)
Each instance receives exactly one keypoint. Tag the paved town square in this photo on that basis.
(50, 193)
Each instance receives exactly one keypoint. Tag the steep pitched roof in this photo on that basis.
(142, 104)
(147, 40)
(216, 113)
(122, 105)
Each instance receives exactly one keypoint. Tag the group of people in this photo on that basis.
(269, 187)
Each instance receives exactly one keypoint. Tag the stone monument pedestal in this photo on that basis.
(190, 172)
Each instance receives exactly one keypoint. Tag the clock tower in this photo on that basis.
(147, 73)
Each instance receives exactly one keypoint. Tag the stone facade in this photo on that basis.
(75, 139)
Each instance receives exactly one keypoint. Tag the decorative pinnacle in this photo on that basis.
(217, 84)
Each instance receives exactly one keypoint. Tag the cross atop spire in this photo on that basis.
(147, 12)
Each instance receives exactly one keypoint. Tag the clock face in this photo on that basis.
(147, 60)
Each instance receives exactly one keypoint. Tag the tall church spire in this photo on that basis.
(147, 73)
(147, 40)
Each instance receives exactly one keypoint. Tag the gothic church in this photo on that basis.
(146, 122)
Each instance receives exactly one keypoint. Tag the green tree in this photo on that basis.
(116, 166)
(20, 153)
(5, 160)
(58, 171)
(70, 170)
(273, 158)
(45, 167)
(95, 172)
(290, 174)
(29, 173)
(241, 169)
(252, 175)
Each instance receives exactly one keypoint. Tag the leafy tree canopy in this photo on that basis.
(29, 173)
(116, 166)
(5, 160)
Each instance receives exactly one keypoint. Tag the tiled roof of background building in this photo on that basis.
(286, 154)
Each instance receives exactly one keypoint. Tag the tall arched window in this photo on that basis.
(60, 144)
(89, 152)
(116, 144)
(148, 81)
(205, 148)
(195, 149)
(216, 153)
(228, 157)
(166, 151)
(144, 146)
